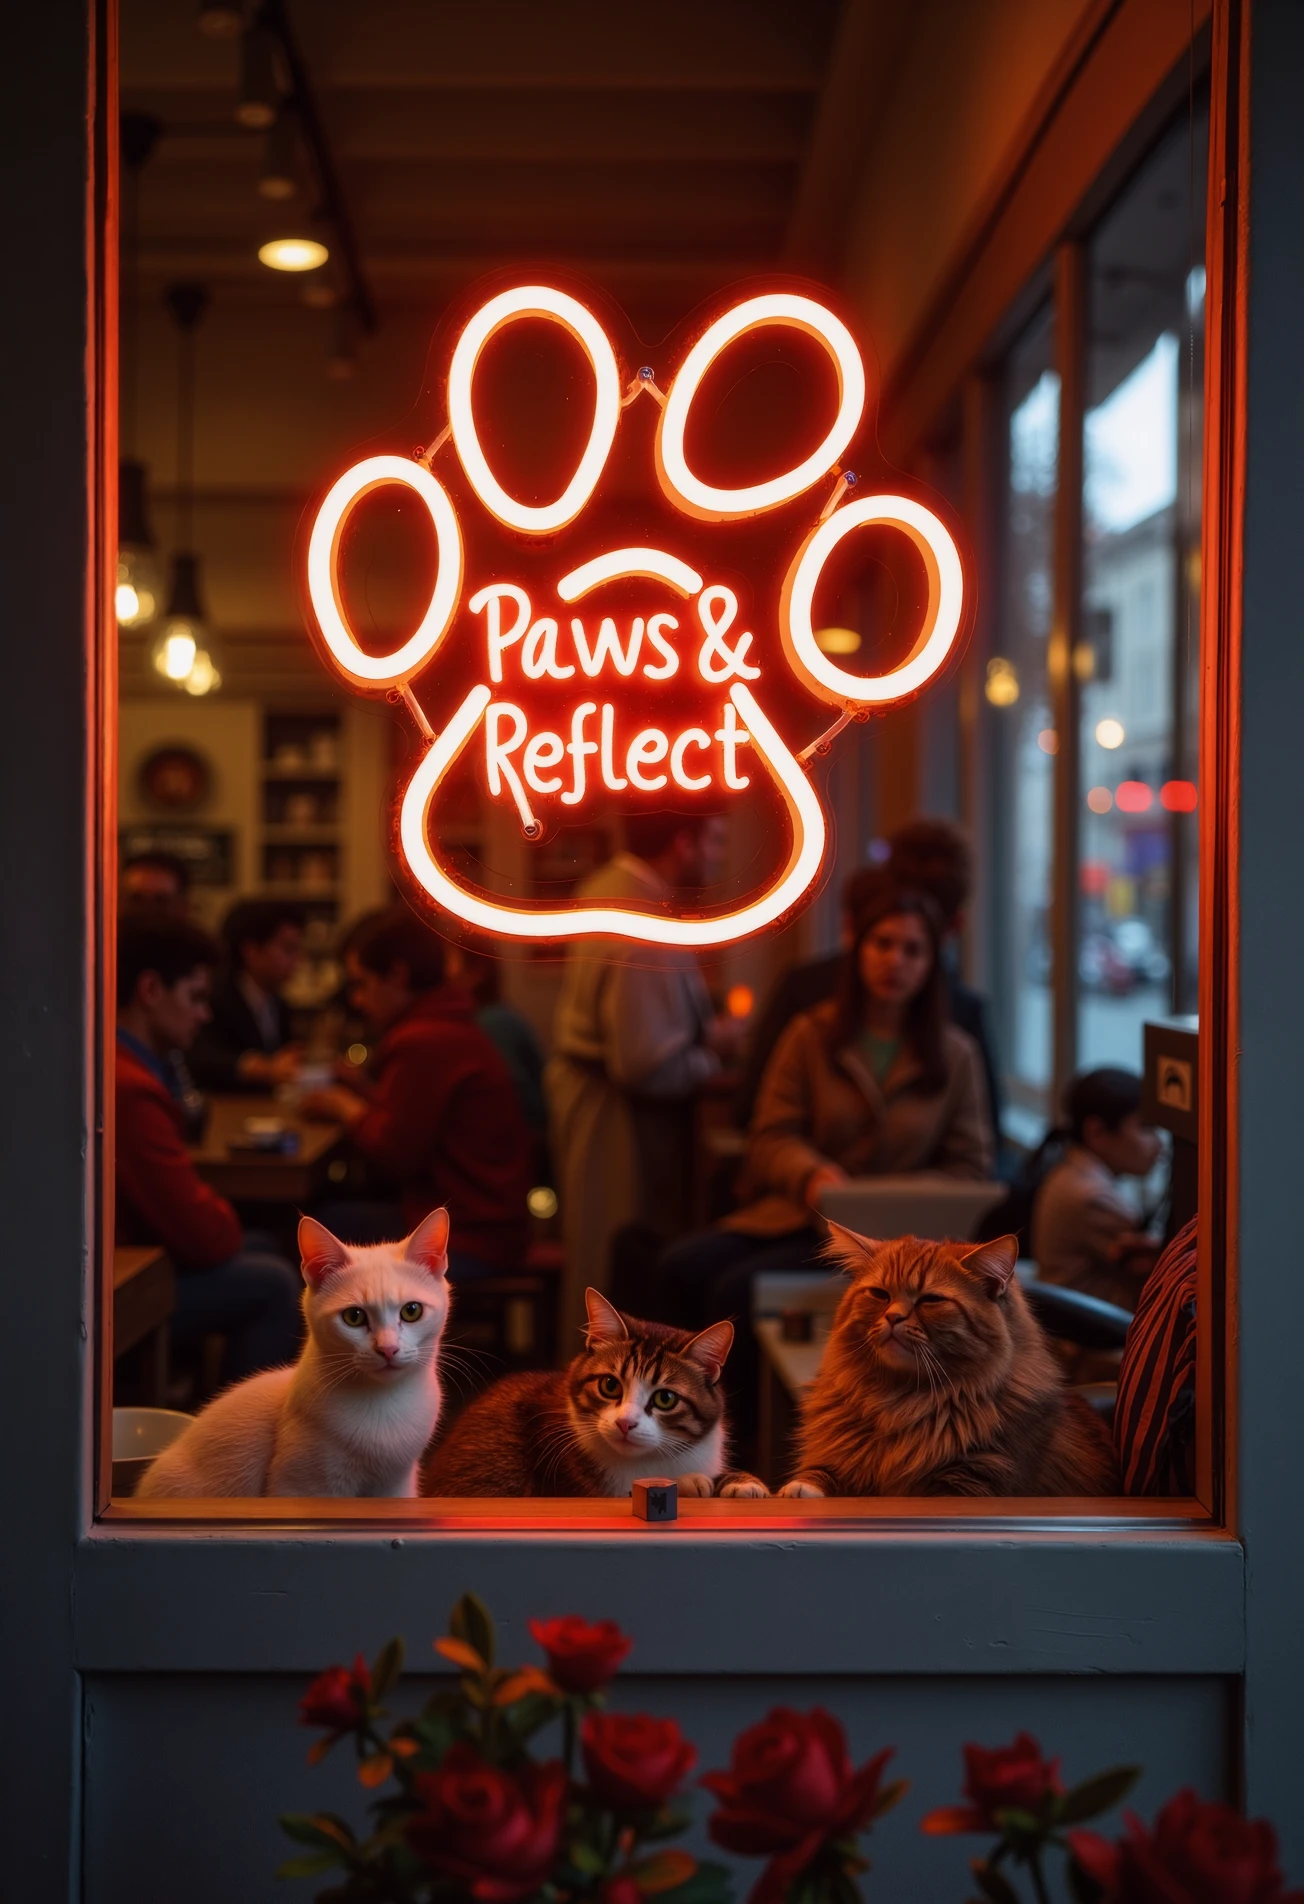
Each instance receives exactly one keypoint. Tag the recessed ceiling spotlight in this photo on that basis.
(292, 254)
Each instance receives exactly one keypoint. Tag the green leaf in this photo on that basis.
(310, 1866)
(1015, 1822)
(709, 1884)
(585, 1858)
(992, 1885)
(891, 1795)
(663, 1872)
(319, 1828)
(388, 1666)
(1097, 1794)
(470, 1621)
(666, 1824)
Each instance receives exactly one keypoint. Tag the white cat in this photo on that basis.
(354, 1414)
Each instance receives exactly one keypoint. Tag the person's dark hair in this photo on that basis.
(862, 888)
(647, 835)
(160, 863)
(1109, 1094)
(926, 1015)
(386, 939)
(255, 921)
(933, 856)
(174, 948)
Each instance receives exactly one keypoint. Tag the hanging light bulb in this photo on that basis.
(279, 177)
(137, 586)
(181, 653)
(136, 594)
(259, 96)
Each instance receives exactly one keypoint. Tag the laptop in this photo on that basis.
(921, 1204)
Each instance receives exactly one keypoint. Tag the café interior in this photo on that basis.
(313, 203)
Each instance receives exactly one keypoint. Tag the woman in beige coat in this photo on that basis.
(874, 1083)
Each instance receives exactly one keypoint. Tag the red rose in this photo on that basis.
(621, 1890)
(581, 1658)
(496, 1832)
(1195, 1854)
(790, 1790)
(337, 1698)
(634, 1761)
(1011, 1778)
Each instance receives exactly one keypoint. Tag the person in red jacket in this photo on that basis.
(437, 1120)
(228, 1283)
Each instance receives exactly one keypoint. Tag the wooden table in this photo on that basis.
(268, 1176)
(144, 1296)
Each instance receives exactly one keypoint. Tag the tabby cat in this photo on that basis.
(639, 1401)
(937, 1380)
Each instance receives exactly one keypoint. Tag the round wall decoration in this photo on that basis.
(175, 779)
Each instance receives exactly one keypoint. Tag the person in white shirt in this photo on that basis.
(634, 1040)
(1086, 1232)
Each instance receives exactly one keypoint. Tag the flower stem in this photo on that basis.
(568, 1738)
(1038, 1879)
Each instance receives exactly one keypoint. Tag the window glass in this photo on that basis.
(1136, 657)
(1018, 701)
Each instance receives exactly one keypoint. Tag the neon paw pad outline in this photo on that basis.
(698, 628)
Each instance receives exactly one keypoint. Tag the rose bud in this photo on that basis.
(581, 1658)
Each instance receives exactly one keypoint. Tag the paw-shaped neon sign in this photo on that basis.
(634, 674)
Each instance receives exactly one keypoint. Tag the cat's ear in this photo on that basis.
(848, 1249)
(994, 1262)
(428, 1243)
(606, 1324)
(710, 1349)
(320, 1253)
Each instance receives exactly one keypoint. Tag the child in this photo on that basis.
(1085, 1233)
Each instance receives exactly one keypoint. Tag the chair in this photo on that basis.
(1084, 1320)
(513, 1316)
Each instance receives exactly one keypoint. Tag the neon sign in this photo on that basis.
(637, 671)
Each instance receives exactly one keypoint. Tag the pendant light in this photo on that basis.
(183, 654)
(137, 586)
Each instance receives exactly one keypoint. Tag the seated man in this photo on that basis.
(437, 1121)
(227, 1283)
(246, 1044)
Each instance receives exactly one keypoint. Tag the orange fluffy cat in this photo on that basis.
(937, 1380)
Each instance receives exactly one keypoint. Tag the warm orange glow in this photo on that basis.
(701, 499)
(1178, 796)
(941, 561)
(739, 1001)
(534, 300)
(362, 669)
(1133, 796)
(610, 728)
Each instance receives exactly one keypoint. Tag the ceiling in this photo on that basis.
(663, 153)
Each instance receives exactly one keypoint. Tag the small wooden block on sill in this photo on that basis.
(656, 1500)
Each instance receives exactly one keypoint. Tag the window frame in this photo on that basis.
(998, 1519)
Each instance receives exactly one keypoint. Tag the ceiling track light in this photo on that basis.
(279, 176)
(259, 98)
